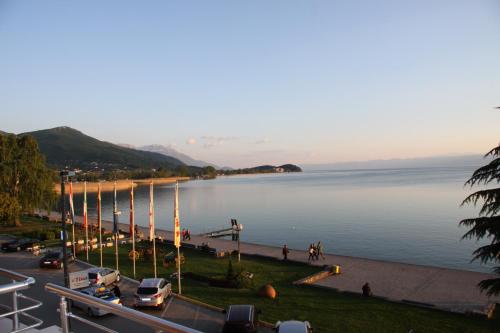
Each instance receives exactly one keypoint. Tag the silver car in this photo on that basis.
(103, 276)
(153, 292)
(99, 292)
(293, 326)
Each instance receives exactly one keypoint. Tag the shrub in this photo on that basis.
(49, 235)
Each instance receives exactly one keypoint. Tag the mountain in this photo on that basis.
(471, 160)
(67, 147)
(170, 151)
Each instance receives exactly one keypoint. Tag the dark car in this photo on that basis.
(241, 319)
(54, 260)
(4, 239)
(20, 244)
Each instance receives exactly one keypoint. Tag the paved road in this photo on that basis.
(176, 310)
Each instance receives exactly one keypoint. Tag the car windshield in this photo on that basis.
(52, 255)
(93, 276)
(147, 290)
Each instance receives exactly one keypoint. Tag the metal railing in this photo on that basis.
(121, 311)
(19, 282)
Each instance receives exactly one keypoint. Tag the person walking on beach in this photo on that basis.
(188, 234)
(311, 252)
(367, 291)
(319, 251)
(183, 234)
(285, 252)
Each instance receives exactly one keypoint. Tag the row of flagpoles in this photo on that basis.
(116, 213)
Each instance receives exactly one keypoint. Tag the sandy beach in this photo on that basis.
(122, 184)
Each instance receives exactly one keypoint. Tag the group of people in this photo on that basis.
(186, 234)
(314, 251)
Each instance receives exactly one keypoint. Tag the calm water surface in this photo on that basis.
(403, 215)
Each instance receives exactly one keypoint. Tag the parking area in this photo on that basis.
(176, 310)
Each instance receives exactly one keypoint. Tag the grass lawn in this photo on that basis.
(327, 310)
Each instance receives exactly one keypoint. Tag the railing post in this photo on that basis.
(15, 316)
(63, 307)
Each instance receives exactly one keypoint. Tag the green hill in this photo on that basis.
(67, 147)
(264, 169)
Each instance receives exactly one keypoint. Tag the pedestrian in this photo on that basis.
(183, 234)
(188, 234)
(367, 291)
(285, 252)
(319, 251)
(116, 291)
(311, 252)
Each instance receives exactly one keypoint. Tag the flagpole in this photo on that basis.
(152, 234)
(177, 236)
(72, 217)
(85, 218)
(99, 218)
(115, 225)
(132, 226)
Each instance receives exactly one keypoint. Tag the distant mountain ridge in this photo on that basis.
(170, 151)
(473, 160)
(67, 147)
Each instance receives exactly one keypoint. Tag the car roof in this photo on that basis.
(151, 283)
(242, 312)
(98, 269)
(293, 326)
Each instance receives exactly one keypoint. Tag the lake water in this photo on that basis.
(403, 215)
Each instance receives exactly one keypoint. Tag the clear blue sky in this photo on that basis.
(244, 83)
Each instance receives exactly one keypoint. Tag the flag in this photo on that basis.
(177, 224)
(151, 213)
(131, 227)
(99, 206)
(115, 212)
(71, 207)
(85, 205)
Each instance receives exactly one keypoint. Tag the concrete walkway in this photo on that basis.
(447, 289)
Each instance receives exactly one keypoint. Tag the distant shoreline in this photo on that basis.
(121, 184)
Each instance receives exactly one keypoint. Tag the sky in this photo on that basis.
(258, 82)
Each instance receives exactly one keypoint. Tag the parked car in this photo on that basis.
(20, 244)
(5, 238)
(241, 319)
(55, 259)
(293, 326)
(153, 292)
(99, 292)
(103, 276)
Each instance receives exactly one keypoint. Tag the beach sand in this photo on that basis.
(122, 184)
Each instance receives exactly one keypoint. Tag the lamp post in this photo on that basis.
(65, 174)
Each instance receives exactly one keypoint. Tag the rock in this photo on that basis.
(267, 291)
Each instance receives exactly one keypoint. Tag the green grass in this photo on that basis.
(327, 310)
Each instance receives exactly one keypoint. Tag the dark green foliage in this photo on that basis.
(25, 181)
(487, 225)
(263, 169)
(9, 208)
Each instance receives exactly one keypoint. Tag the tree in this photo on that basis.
(487, 225)
(25, 181)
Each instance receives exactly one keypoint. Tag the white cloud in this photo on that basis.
(262, 141)
(191, 141)
(212, 141)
